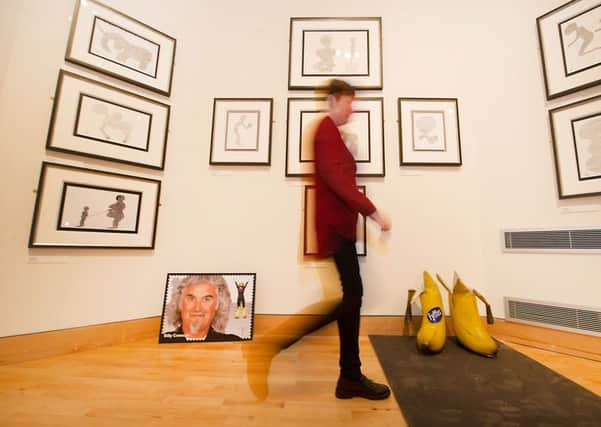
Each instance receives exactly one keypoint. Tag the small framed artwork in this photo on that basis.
(324, 48)
(93, 119)
(363, 135)
(429, 132)
(576, 132)
(570, 45)
(241, 131)
(208, 307)
(310, 238)
(87, 208)
(113, 43)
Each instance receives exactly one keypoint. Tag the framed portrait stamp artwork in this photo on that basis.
(345, 48)
(108, 41)
(87, 208)
(208, 307)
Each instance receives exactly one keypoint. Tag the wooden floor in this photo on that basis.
(144, 384)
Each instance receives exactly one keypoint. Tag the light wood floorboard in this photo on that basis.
(145, 384)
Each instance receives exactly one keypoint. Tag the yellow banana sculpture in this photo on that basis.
(432, 333)
(469, 329)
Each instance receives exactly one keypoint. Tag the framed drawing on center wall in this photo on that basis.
(113, 43)
(429, 132)
(97, 120)
(570, 46)
(87, 208)
(241, 131)
(309, 233)
(363, 135)
(208, 307)
(324, 48)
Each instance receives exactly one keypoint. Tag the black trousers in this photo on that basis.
(348, 313)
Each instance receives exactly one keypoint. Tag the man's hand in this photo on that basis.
(382, 220)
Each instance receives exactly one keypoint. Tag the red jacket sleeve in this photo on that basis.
(336, 167)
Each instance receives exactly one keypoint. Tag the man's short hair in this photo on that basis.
(338, 88)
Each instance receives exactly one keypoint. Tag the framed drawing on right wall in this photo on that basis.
(576, 132)
(429, 132)
(570, 45)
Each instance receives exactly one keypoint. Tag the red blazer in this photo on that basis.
(337, 199)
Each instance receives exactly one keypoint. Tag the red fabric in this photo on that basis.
(337, 198)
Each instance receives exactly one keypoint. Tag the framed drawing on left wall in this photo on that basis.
(93, 119)
(88, 208)
(113, 43)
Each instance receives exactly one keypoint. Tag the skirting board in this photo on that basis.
(41, 345)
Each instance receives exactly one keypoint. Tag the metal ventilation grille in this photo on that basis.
(575, 319)
(584, 240)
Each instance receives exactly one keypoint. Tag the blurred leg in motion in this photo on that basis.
(260, 352)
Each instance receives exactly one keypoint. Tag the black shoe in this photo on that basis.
(363, 387)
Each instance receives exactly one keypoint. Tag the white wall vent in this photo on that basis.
(584, 320)
(559, 240)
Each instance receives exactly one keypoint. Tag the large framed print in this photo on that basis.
(93, 119)
(576, 132)
(363, 135)
(113, 43)
(87, 208)
(570, 45)
(345, 48)
(309, 231)
(429, 132)
(241, 131)
(208, 307)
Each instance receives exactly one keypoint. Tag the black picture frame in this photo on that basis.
(577, 148)
(569, 38)
(360, 39)
(236, 140)
(97, 120)
(363, 134)
(438, 121)
(111, 42)
(79, 207)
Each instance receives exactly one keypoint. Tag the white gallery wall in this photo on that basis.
(249, 218)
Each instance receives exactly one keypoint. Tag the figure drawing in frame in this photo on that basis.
(123, 47)
(581, 41)
(88, 208)
(588, 147)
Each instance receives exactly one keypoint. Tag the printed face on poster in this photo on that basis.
(208, 307)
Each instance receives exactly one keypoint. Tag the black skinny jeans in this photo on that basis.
(348, 313)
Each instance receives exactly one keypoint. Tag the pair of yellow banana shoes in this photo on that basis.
(469, 328)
